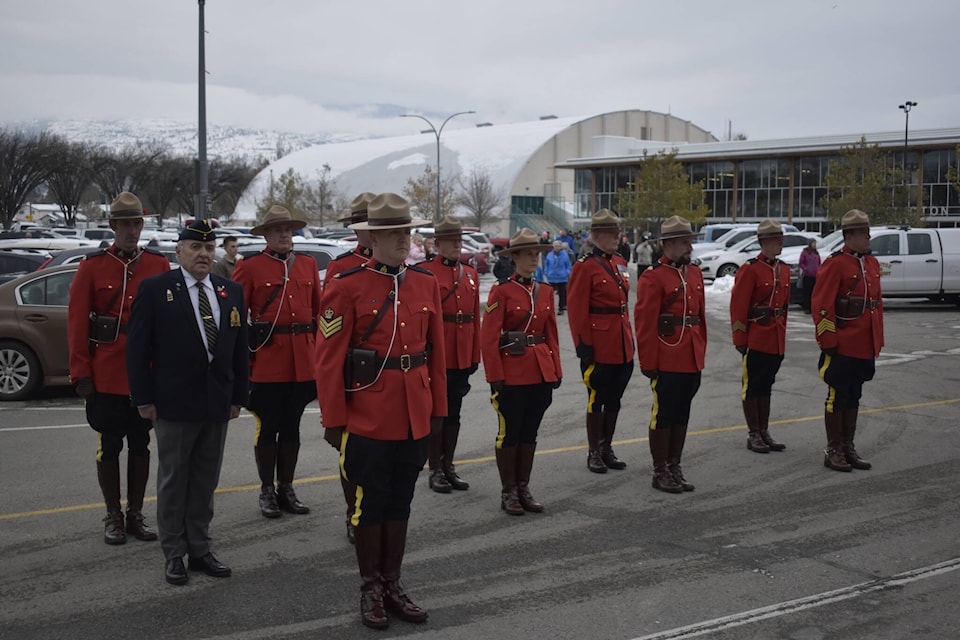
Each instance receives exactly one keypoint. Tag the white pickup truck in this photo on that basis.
(914, 263)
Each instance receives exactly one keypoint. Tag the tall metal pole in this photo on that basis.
(437, 133)
(202, 186)
(906, 106)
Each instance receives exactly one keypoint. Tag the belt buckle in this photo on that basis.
(459, 317)
(623, 309)
(688, 321)
(406, 363)
(530, 341)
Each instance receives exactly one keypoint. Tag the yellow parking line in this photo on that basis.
(699, 432)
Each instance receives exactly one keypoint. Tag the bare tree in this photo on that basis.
(127, 170)
(479, 195)
(170, 177)
(25, 164)
(228, 179)
(72, 175)
(319, 199)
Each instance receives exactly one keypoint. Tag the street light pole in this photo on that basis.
(437, 132)
(202, 188)
(906, 106)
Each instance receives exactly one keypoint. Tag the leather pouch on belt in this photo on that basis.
(665, 324)
(515, 342)
(850, 307)
(260, 334)
(104, 329)
(361, 366)
(762, 314)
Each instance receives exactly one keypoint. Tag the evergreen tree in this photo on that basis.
(662, 189)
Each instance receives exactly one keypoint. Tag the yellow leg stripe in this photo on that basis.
(99, 447)
(357, 508)
(501, 421)
(256, 434)
(656, 405)
(744, 376)
(826, 365)
(343, 451)
(592, 396)
(831, 399)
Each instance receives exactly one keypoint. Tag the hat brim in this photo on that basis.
(772, 234)
(130, 214)
(678, 234)
(856, 225)
(260, 228)
(539, 246)
(353, 217)
(366, 226)
(449, 234)
(605, 227)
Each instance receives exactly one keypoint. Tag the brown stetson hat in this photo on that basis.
(448, 228)
(277, 215)
(769, 228)
(127, 206)
(675, 227)
(604, 220)
(388, 211)
(524, 239)
(854, 219)
(358, 208)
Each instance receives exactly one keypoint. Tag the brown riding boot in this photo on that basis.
(594, 429)
(659, 450)
(833, 457)
(350, 496)
(678, 435)
(287, 454)
(138, 472)
(108, 473)
(368, 547)
(395, 598)
(438, 481)
(610, 459)
(763, 412)
(507, 466)
(265, 453)
(450, 437)
(751, 411)
(525, 457)
(849, 431)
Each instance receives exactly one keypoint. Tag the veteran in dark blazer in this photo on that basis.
(188, 366)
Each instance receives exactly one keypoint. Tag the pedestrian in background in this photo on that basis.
(556, 268)
(224, 267)
(809, 266)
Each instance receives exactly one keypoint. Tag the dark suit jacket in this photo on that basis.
(167, 361)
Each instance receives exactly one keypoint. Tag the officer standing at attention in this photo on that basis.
(848, 314)
(345, 261)
(101, 295)
(600, 325)
(381, 381)
(758, 316)
(671, 324)
(460, 299)
(282, 293)
(521, 359)
(188, 362)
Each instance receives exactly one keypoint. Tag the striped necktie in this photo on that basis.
(206, 314)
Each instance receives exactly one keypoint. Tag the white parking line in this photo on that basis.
(809, 602)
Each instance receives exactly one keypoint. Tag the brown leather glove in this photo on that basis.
(742, 348)
(556, 385)
(334, 436)
(649, 373)
(496, 386)
(85, 387)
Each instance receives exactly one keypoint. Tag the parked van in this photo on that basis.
(710, 232)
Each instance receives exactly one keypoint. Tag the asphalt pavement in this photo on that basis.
(768, 546)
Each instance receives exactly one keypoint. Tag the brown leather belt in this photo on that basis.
(622, 309)
(536, 339)
(295, 328)
(405, 362)
(685, 321)
(459, 317)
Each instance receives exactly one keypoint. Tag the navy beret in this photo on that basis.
(198, 230)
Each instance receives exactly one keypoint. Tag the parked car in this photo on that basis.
(736, 233)
(33, 332)
(323, 251)
(95, 233)
(17, 262)
(471, 253)
(717, 264)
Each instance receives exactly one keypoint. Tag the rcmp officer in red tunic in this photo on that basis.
(600, 323)
(345, 261)
(101, 296)
(521, 359)
(848, 314)
(758, 317)
(671, 325)
(282, 292)
(460, 298)
(381, 381)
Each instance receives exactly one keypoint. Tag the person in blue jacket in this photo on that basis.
(556, 267)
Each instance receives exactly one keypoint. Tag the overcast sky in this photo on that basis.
(773, 68)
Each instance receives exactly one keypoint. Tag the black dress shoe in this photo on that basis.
(175, 572)
(210, 566)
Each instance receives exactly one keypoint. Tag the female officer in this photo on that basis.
(521, 357)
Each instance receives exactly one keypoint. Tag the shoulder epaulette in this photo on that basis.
(152, 250)
(751, 260)
(348, 272)
(583, 258)
(836, 253)
(98, 252)
(414, 267)
(344, 255)
(655, 265)
(422, 262)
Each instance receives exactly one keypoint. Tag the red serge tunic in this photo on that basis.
(348, 260)
(398, 402)
(847, 273)
(763, 282)
(508, 309)
(461, 310)
(597, 298)
(668, 288)
(286, 357)
(98, 288)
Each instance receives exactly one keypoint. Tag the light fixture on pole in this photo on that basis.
(201, 204)
(437, 132)
(906, 106)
